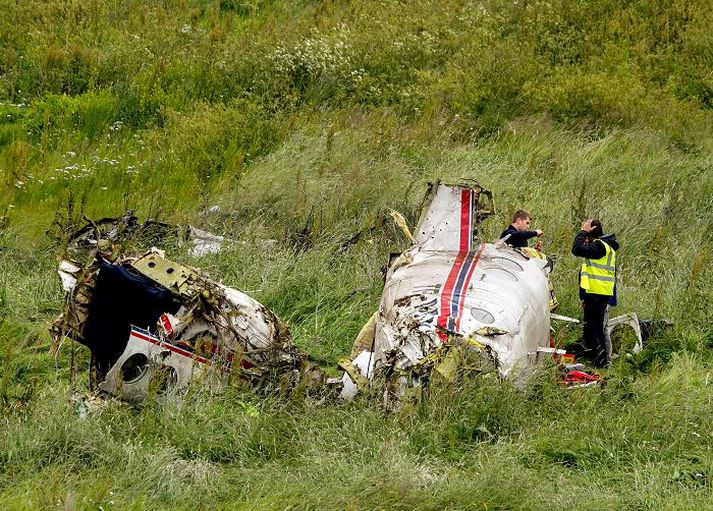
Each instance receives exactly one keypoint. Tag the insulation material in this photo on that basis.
(203, 242)
(68, 274)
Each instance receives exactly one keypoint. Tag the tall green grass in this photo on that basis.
(642, 441)
(304, 122)
(484, 445)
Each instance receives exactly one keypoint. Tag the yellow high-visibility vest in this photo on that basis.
(598, 276)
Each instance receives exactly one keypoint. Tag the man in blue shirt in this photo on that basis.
(519, 230)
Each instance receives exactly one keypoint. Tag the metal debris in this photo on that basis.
(452, 298)
(156, 325)
(630, 319)
(400, 221)
(203, 242)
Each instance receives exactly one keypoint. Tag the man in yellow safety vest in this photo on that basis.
(597, 287)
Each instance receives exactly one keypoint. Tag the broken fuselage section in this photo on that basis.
(151, 323)
(450, 292)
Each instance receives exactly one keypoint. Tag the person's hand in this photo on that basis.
(539, 232)
(587, 225)
(538, 246)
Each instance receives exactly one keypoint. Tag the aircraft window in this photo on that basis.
(508, 264)
(482, 315)
(500, 273)
(134, 367)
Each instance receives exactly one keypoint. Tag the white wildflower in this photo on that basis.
(319, 55)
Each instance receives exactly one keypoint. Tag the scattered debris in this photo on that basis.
(576, 378)
(203, 242)
(400, 221)
(125, 231)
(566, 319)
(152, 323)
(67, 271)
(85, 404)
(630, 320)
(642, 328)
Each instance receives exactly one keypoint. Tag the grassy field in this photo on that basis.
(304, 121)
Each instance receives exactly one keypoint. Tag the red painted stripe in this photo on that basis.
(465, 240)
(146, 338)
(465, 211)
(467, 281)
(244, 363)
(169, 347)
(447, 295)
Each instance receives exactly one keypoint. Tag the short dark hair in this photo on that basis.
(520, 213)
(597, 229)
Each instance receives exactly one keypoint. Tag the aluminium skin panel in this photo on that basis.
(447, 282)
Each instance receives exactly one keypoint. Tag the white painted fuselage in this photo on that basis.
(449, 284)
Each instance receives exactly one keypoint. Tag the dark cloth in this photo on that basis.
(121, 299)
(517, 239)
(591, 250)
(595, 339)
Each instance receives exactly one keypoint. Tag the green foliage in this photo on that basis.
(477, 442)
(89, 115)
(304, 123)
(222, 139)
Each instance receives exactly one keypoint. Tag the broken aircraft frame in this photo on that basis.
(448, 301)
(151, 321)
(451, 300)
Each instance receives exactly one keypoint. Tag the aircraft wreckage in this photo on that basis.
(449, 298)
(149, 321)
(450, 301)
(453, 301)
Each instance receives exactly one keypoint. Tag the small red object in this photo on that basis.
(573, 377)
(167, 324)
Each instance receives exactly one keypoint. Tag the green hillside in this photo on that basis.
(304, 122)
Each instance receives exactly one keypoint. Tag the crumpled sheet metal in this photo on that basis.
(133, 374)
(449, 287)
(631, 320)
(505, 291)
(233, 320)
(214, 327)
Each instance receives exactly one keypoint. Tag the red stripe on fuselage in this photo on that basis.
(467, 281)
(244, 363)
(466, 208)
(170, 347)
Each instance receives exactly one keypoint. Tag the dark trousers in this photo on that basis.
(595, 339)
